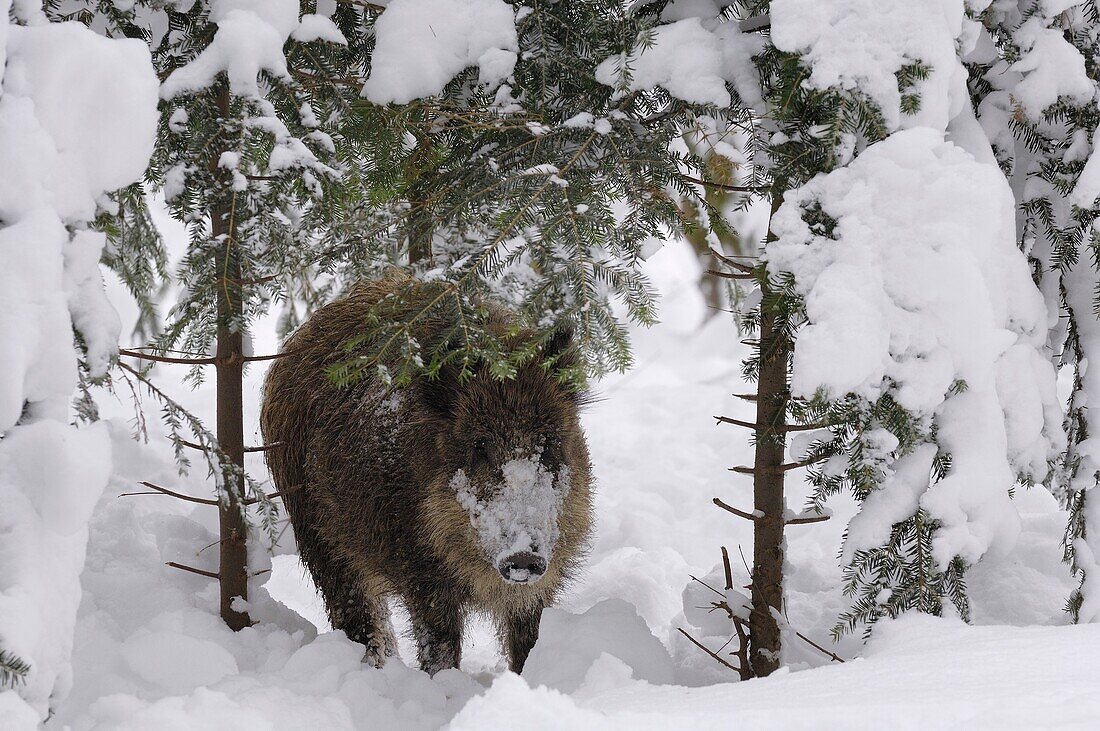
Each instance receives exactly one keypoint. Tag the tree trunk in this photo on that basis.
(233, 570)
(421, 227)
(768, 500)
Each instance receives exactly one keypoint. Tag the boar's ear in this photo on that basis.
(441, 391)
(564, 359)
(559, 349)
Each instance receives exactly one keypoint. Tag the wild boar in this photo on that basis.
(453, 495)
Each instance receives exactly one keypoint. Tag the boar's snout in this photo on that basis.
(520, 568)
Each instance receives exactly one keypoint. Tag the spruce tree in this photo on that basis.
(259, 162)
(815, 111)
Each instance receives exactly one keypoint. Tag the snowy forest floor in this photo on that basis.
(151, 653)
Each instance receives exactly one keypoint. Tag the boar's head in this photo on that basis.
(509, 500)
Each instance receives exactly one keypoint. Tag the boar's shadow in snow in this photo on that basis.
(454, 496)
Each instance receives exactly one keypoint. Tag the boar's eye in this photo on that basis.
(551, 450)
(479, 452)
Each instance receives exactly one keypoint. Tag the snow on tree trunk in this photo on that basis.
(77, 119)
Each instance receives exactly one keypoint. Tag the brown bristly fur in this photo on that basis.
(373, 511)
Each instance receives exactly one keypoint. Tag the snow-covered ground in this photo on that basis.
(151, 653)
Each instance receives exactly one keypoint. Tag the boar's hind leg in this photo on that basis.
(437, 626)
(364, 617)
(518, 635)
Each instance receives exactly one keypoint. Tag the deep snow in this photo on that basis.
(150, 651)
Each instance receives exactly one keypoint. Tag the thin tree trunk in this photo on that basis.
(421, 227)
(768, 478)
(233, 570)
(420, 237)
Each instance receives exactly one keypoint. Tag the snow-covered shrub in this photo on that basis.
(77, 119)
(921, 337)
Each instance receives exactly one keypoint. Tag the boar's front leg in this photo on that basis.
(364, 617)
(519, 632)
(437, 624)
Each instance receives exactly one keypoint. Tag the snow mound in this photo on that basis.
(196, 661)
(510, 704)
(569, 645)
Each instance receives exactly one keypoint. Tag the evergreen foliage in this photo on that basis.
(258, 169)
(546, 192)
(543, 192)
(802, 131)
(13, 670)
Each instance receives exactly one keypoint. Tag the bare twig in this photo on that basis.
(735, 511)
(167, 350)
(803, 463)
(284, 354)
(785, 467)
(735, 422)
(192, 569)
(271, 495)
(710, 652)
(742, 649)
(201, 361)
(171, 493)
(262, 448)
(729, 275)
(835, 657)
(804, 638)
(810, 519)
(731, 262)
(744, 670)
(210, 545)
(166, 359)
(700, 581)
(788, 427)
(724, 186)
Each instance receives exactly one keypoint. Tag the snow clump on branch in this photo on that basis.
(422, 44)
(692, 58)
(249, 40)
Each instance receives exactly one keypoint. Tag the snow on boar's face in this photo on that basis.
(514, 514)
(510, 501)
